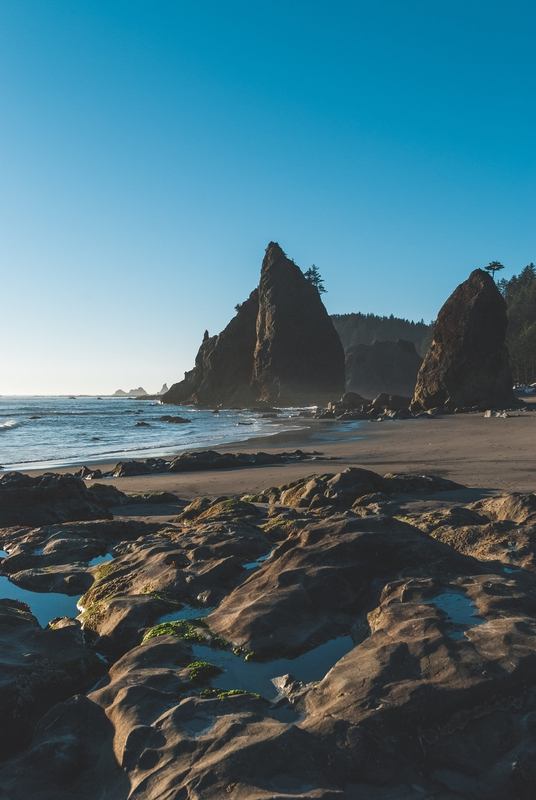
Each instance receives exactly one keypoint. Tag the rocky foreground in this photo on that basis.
(338, 636)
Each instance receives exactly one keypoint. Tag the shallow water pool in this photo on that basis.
(461, 611)
(44, 605)
(258, 562)
(186, 612)
(257, 677)
(100, 560)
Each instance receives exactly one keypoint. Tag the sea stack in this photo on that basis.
(299, 358)
(281, 348)
(467, 364)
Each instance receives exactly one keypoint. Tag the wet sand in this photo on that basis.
(494, 454)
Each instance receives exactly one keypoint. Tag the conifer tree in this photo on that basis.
(314, 277)
(493, 267)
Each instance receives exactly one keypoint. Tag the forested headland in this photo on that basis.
(520, 295)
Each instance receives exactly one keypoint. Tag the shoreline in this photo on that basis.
(295, 438)
(489, 454)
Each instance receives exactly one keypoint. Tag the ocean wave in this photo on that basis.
(10, 423)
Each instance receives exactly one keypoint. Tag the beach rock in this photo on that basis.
(382, 367)
(155, 574)
(155, 741)
(467, 363)
(345, 488)
(319, 583)
(467, 722)
(394, 402)
(280, 348)
(299, 358)
(38, 668)
(47, 499)
(352, 401)
(88, 473)
(125, 469)
(108, 495)
(212, 459)
(432, 698)
(175, 420)
(71, 755)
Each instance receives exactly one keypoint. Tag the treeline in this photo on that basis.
(520, 295)
(366, 328)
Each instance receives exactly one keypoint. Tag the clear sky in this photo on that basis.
(149, 151)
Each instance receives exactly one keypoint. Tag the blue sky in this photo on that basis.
(149, 151)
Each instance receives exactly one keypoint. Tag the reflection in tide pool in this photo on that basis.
(100, 560)
(44, 605)
(186, 612)
(258, 677)
(461, 611)
(258, 562)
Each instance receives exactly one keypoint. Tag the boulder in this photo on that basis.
(467, 363)
(382, 367)
(47, 499)
(38, 668)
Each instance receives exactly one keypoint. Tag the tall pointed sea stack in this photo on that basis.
(299, 358)
(280, 348)
(467, 363)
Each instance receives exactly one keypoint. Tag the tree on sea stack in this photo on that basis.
(314, 277)
(493, 267)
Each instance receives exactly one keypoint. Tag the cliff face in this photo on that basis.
(281, 347)
(467, 363)
(299, 357)
(382, 367)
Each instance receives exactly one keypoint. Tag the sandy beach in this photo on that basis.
(493, 454)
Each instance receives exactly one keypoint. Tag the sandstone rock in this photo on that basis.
(388, 367)
(299, 358)
(47, 499)
(465, 724)
(345, 488)
(430, 697)
(38, 668)
(317, 584)
(467, 363)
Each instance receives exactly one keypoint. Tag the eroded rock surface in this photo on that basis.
(38, 668)
(317, 647)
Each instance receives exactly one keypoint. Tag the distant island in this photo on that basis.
(139, 392)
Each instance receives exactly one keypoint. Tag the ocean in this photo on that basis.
(49, 432)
